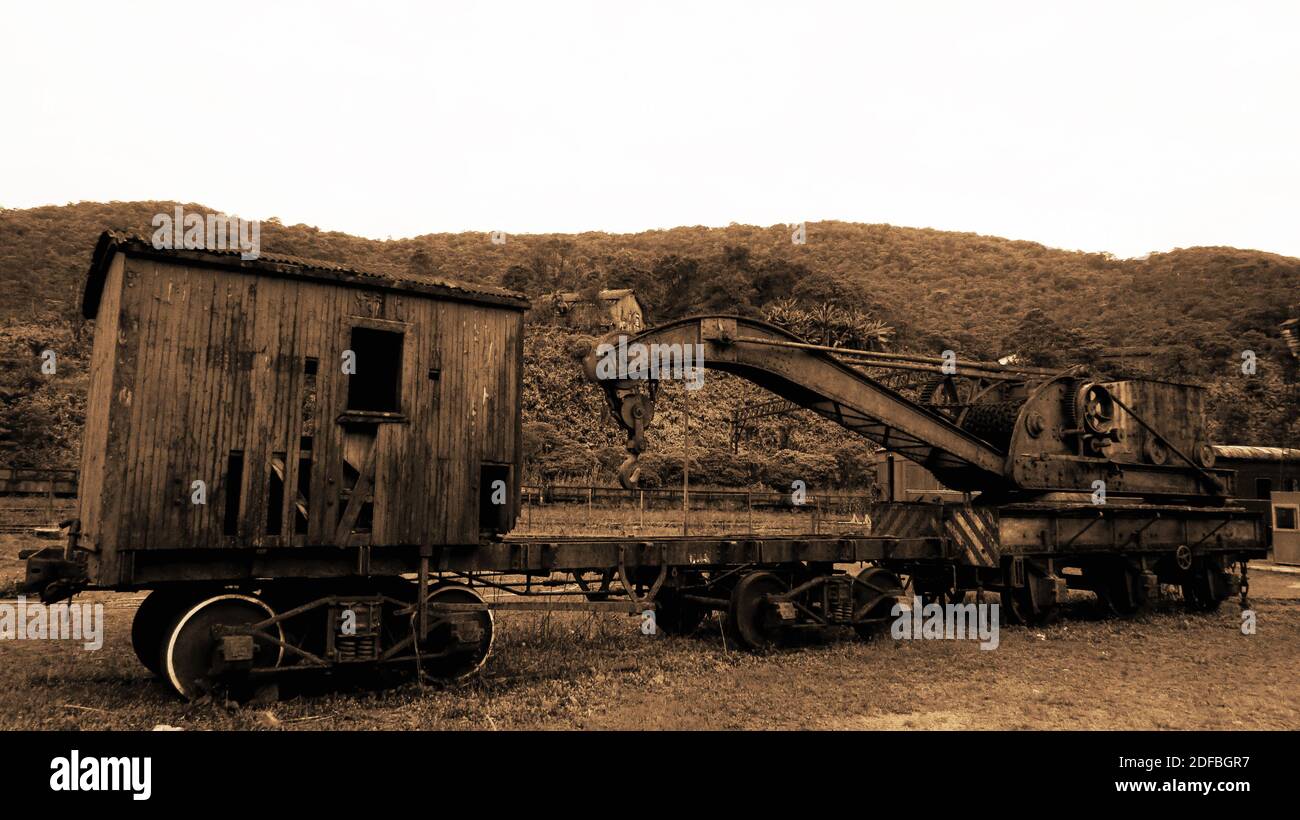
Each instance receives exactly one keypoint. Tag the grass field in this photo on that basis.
(579, 671)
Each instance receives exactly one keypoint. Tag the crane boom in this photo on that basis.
(1027, 432)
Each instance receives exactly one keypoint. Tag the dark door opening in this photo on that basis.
(1263, 488)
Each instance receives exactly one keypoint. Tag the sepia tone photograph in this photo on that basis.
(910, 368)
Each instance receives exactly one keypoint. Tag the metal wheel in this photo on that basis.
(751, 621)
(1023, 606)
(192, 660)
(1030, 604)
(1120, 588)
(458, 643)
(676, 616)
(1205, 587)
(875, 591)
(152, 618)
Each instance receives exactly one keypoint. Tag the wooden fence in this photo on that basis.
(584, 507)
(58, 481)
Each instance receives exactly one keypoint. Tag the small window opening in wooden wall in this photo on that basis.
(303, 504)
(493, 498)
(376, 385)
(275, 495)
(234, 482)
(310, 368)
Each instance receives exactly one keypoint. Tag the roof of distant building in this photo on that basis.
(1252, 453)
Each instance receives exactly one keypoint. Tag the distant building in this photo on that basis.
(901, 479)
(621, 310)
(1268, 480)
(1261, 471)
(1291, 333)
(1286, 528)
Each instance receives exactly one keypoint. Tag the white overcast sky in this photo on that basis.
(1128, 127)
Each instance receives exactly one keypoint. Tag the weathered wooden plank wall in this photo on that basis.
(209, 361)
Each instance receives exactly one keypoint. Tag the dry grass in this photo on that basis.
(586, 671)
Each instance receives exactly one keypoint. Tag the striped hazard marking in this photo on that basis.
(974, 534)
(904, 520)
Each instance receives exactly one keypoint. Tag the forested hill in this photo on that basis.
(1187, 314)
(970, 292)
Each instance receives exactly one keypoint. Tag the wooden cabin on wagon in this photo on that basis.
(279, 406)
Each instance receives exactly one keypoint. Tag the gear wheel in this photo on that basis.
(993, 421)
(1071, 393)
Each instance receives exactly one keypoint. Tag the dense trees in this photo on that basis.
(41, 413)
(1040, 341)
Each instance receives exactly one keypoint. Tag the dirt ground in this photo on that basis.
(1170, 670)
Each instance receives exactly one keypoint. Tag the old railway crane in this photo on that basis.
(1073, 480)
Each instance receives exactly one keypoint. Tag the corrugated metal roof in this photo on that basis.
(274, 264)
(1243, 452)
